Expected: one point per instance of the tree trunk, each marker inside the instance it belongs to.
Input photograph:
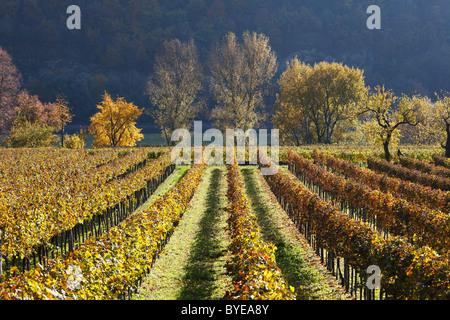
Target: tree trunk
(62, 136)
(307, 133)
(387, 154)
(297, 140)
(447, 145)
(327, 134)
(330, 130)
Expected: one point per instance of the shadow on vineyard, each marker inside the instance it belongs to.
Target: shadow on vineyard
(292, 258)
(202, 271)
(269, 229)
(211, 256)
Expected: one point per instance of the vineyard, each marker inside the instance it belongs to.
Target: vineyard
(127, 223)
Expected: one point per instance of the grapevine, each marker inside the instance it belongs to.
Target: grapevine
(255, 272)
(109, 266)
(417, 223)
(408, 271)
(413, 192)
(85, 201)
(412, 175)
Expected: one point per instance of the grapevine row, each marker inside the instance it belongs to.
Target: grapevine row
(28, 162)
(413, 192)
(385, 212)
(255, 273)
(37, 175)
(30, 178)
(394, 170)
(119, 168)
(35, 231)
(350, 246)
(112, 265)
(441, 161)
(424, 167)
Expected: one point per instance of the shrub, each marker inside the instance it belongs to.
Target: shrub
(28, 135)
(74, 142)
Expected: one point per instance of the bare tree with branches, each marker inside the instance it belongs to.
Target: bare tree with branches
(10, 83)
(174, 87)
(240, 74)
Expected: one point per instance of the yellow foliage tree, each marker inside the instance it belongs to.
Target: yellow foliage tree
(428, 131)
(115, 124)
(442, 121)
(317, 101)
(290, 112)
(386, 114)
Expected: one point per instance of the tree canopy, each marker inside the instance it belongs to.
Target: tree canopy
(315, 100)
(174, 87)
(115, 123)
(240, 73)
(386, 114)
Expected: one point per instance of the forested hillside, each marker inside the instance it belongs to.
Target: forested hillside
(115, 48)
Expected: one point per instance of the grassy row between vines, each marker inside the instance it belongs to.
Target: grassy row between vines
(192, 265)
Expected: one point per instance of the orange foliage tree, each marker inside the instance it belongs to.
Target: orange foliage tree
(33, 123)
(10, 83)
(115, 124)
(62, 115)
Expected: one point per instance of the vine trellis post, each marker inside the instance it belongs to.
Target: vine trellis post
(68, 240)
(351, 277)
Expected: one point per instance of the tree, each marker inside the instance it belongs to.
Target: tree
(240, 74)
(30, 109)
(291, 110)
(31, 135)
(77, 140)
(10, 83)
(114, 125)
(386, 116)
(334, 90)
(62, 114)
(441, 122)
(428, 130)
(33, 123)
(325, 96)
(174, 87)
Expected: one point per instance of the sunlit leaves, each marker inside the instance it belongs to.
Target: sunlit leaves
(240, 73)
(46, 192)
(174, 87)
(317, 101)
(386, 114)
(408, 271)
(387, 212)
(115, 123)
(110, 265)
(253, 266)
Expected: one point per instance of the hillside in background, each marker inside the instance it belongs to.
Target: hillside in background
(114, 50)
